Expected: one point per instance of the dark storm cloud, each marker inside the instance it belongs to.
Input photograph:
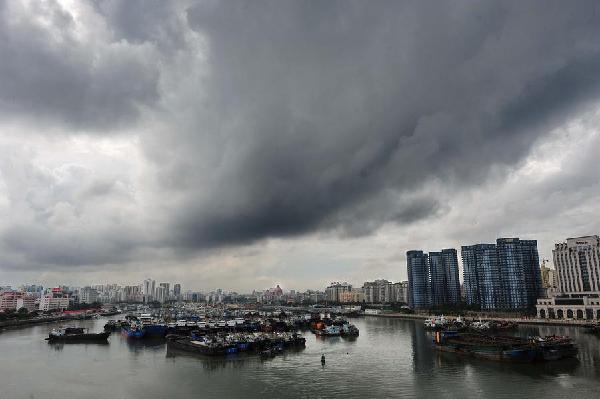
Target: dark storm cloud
(279, 118)
(337, 103)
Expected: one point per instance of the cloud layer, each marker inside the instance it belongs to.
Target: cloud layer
(162, 134)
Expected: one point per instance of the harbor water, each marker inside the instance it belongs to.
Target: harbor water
(390, 359)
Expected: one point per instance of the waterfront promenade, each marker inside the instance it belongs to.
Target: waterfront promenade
(518, 320)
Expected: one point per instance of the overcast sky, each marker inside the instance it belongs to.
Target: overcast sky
(243, 144)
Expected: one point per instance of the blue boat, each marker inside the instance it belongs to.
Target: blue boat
(133, 331)
(152, 328)
(155, 330)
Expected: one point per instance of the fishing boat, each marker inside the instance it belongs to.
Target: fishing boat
(76, 334)
(329, 331)
(349, 330)
(499, 348)
(133, 330)
(435, 323)
(152, 328)
(555, 347)
(199, 345)
(114, 325)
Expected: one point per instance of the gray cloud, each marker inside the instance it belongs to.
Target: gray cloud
(277, 118)
(52, 73)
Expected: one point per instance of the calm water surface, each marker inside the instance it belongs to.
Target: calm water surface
(391, 358)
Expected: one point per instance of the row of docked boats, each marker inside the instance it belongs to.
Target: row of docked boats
(264, 344)
(441, 323)
(506, 348)
(146, 325)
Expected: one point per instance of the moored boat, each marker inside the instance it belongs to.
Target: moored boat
(329, 331)
(504, 349)
(76, 334)
(133, 330)
(555, 348)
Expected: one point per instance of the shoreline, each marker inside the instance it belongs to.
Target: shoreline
(549, 322)
(8, 324)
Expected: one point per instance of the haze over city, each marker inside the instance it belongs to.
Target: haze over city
(218, 144)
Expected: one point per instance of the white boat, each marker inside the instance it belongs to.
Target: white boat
(231, 323)
(201, 324)
(181, 323)
(436, 322)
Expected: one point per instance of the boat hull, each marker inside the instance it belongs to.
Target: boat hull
(80, 338)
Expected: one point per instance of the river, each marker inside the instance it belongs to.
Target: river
(391, 359)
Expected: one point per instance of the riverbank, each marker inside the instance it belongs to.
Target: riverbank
(518, 320)
(40, 320)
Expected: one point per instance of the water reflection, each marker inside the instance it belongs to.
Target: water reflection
(390, 358)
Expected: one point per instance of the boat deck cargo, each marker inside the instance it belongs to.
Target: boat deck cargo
(505, 348)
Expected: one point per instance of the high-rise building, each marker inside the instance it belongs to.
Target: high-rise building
(148, 288)
(418, 280)
(161, 293)
(505, 276)
(177, 291)
(482, 280)
(433, 278)
(577, 263)
(167, 288)
(450, 261)
(437, 275)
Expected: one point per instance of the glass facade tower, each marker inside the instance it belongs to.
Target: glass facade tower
(418, 280)
(505, 276)
(433, 278)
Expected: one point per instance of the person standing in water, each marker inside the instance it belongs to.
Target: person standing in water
(323, 359)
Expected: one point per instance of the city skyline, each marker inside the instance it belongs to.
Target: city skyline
(206, 142)
(316, 286)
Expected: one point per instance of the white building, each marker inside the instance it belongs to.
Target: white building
(577, 263)
(53, 300)
(28, 302)
(148, 290)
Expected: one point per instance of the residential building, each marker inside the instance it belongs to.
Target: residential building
(88, 295)
(29, 302)
(355, 295)
(8, 300)
(419, 283)
(401, 292)
(335, 289)
(167, 287)
(433, 278)
(161, 293)
(177, 291)
(53, 300)
(450, 262)
(482, 280)
(504, 276)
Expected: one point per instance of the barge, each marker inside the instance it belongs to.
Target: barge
(505, 348)
(76, 334)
